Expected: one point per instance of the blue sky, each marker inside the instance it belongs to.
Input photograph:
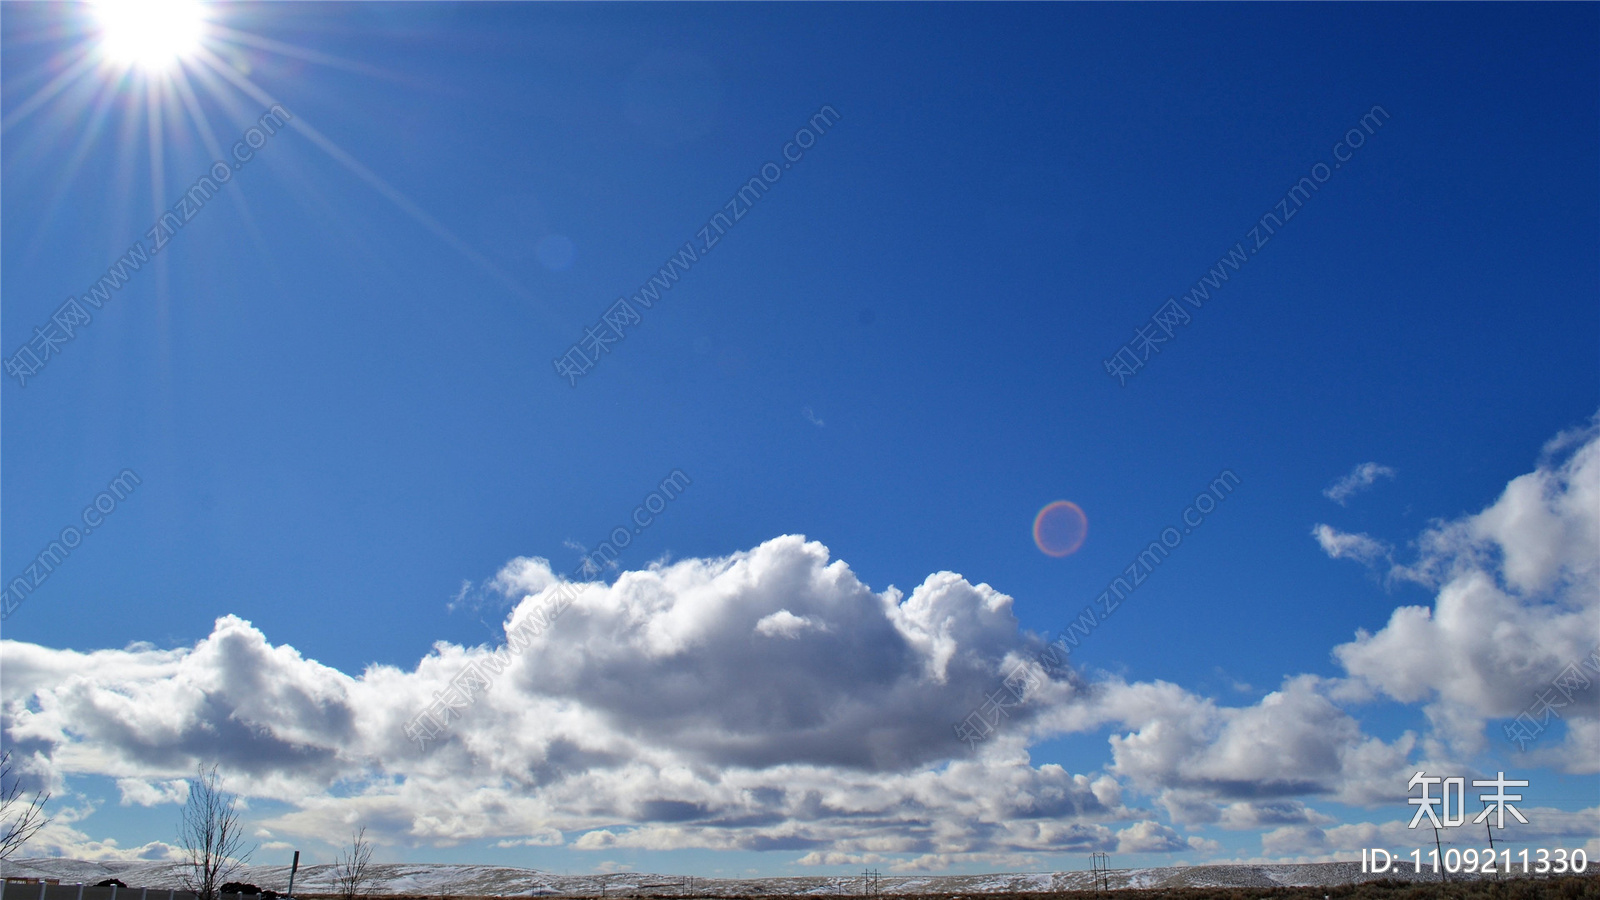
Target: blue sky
(335, 386)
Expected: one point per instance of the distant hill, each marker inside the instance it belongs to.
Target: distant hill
(466, 880)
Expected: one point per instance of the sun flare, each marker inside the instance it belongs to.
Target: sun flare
(153, 35)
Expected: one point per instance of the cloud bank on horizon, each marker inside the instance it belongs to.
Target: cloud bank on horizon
(770, 700)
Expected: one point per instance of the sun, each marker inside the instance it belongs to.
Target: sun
(153, 35)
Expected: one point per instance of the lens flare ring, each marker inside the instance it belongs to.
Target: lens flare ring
(1060, 528)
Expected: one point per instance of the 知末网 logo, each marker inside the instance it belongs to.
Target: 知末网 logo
(1497, 803)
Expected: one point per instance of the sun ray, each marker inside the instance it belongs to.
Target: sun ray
(104, 101)
(208, 138)
(77, 69)
(146, 99)
(202, 122)
(152, 120)
(235, 36)
(389, 192)
(155, 121)
(40, 140)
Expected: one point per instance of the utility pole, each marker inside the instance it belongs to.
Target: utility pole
(1490, 828)
(1100, 870)
(293, 868)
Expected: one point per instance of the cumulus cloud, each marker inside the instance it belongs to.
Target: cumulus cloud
(1367, 550)
(1195, 755)
(832, 858)
(1517, 603)
(764, 700)
(61, 836)
(1359, 479)
(1252, 815)
(137, 791)
(1149, 837)
(1516, 606)
(1546, 825)
(544, 837)
(786, 624)
(770, 700)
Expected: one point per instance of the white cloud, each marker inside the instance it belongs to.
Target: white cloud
(788, 625)
(145, 793)
(1195, 755)
(817, 858)
(769, 700)
(60, 836)
(1252, 815)
(1547, 826)
(764, 700)
(1359, 479)
(1518, 601)
(1149, 837)
(596, 840)
(461, 600)
(1363, 548)
(542, 837)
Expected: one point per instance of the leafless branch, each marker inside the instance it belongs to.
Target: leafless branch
(20, 816)
(211, 836)
(350, 873)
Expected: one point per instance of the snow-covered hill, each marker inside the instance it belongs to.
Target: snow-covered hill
(467, 880)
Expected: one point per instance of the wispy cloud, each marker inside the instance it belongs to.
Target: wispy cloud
(461, 600)
(1359, 479)
(1363, 548)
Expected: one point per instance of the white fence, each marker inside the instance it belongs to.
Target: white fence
(31, 889)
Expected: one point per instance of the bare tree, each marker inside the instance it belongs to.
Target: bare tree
(20, 817)
(211, 835)
(350, 873)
